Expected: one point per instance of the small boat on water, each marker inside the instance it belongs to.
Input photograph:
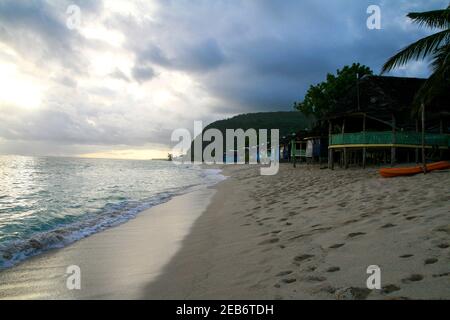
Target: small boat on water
(408, 171)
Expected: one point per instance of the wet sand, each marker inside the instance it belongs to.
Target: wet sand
(115, 264)
(308, 233)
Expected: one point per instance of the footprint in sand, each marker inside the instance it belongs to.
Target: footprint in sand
(284, 273)
(413, 278)
(288, 280)
(352, 293)
(431, 261)
(327, 289)
(337, 245)
(315, 279)
(445, 229)
(333, 269)
(355, 234)
(443, 246)
(388, 225)
(269, 241)
(350, 221)
(303, 257)
(387, 289)
(406, 256)
(441, 275)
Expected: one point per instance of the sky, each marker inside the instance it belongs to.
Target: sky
(117, 81)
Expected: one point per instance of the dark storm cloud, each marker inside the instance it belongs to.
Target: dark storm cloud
(263, 55)
(37, 30)
(203, 56)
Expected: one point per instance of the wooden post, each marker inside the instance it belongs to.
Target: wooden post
(330, 150)
(424, 161)
(364, 148)
(332, 159)
(345, 149)
(417, 149)
(394, 141)
(294, 152)
(441, 131)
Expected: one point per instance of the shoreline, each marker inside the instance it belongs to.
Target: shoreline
(115, 263)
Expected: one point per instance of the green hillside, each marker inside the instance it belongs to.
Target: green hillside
(286, 121)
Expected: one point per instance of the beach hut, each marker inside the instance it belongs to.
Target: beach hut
(375, 122)
(285, 149)
(298, 147)
(316, 148)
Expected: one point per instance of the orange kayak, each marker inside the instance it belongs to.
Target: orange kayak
(396, 172)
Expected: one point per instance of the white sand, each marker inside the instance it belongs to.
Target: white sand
(309, 233)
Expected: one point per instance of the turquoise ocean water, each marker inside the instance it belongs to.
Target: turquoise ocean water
(49, 202)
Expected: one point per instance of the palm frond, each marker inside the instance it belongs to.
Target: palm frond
(432, 19)
(435, 86)
(419, 50)
(441, 58)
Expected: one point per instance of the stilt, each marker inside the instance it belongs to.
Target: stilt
(294, 152)
(330, 151)
(417, 149)
(393, 149)
(332, 158)
(345, 159)
(441, 131)
(365, 142)
(424, 161)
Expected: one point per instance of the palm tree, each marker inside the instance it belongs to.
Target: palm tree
(435, 46)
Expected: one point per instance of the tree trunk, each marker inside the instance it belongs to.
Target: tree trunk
(424, 162)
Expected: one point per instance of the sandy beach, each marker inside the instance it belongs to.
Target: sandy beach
(305, 233)
(308, 233)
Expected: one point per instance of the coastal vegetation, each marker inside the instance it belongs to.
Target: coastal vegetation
(435, 47)
(287, 122)
(322, 99)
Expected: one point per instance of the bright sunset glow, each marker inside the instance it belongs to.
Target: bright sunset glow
(18, 89)
(131, 154)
